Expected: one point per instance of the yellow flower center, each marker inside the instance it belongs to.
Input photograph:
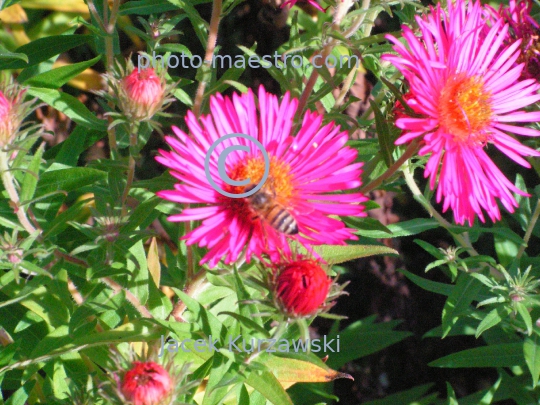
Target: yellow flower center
(465, 109)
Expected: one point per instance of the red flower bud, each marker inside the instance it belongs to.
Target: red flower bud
(302, 287)
(147, 383)
(143, 94)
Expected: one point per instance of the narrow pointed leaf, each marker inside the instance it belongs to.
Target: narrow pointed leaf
(531, 351)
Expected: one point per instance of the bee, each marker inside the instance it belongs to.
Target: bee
(263, 203)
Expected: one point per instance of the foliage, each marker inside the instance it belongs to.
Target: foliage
(90, 266)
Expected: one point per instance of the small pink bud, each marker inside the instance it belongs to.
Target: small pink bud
(15, 256)
(147, 383)
(143, 94)
(516, 298)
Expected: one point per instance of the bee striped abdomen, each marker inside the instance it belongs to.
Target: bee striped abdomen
(267, 209)
(281, 220)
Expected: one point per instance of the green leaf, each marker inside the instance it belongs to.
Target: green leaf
(199, 24)
(61, 221)
(140, 277)
(490, 320)
(45, 48)
(367, 224)
(255, 327)
(405, 228)
(215, 389)
(452, 400)
(362, 338)
(80, 139)
(73, 146)
(525, 315)
(428, 285)
(384, 134)
(56, 78)
(140, 330)
(67, 179)
(146, 7)
(531, 352)
(20, 396)
(463, 327)
(7, 55)
(505, 247)
(32, 175)
(209, 323)
(403, 397)
(501, 355)
(268, 385)
(488, 397)
(70, 106)
(463, 294)
(339, 254)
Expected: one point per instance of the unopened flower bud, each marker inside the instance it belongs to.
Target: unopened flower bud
(143, 94)
(8, 124)
(516, 297)
(302, 287)
(147, 383)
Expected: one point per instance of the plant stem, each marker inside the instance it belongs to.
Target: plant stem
(9, 185)
(409, 152)
(133, 138)
(529, 230)
(210, 47)
(192, 287)
(340, 12)
(199, 96)
(109, 23)
(409, 178)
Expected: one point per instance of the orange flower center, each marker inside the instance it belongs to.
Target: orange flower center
(465, 109)
(278, 182)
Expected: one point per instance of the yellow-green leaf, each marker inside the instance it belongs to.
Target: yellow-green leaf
(153, 262)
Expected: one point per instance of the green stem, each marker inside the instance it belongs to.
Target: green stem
(409, 152)
(409, 179)
(342, 8)
(199, 96)
(210, 47)
(133, 138)
(193, 286)
(109, 23)
(529, 230)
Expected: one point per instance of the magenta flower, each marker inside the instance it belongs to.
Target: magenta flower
(304, 170)
(6, 127)
(521, 26)
(312, 2)
(465, 86)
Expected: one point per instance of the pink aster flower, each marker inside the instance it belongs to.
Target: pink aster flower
(312, 2)
(6, 127)
(13, 110)
(297, 200)
(464, 85)
(521, 26)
